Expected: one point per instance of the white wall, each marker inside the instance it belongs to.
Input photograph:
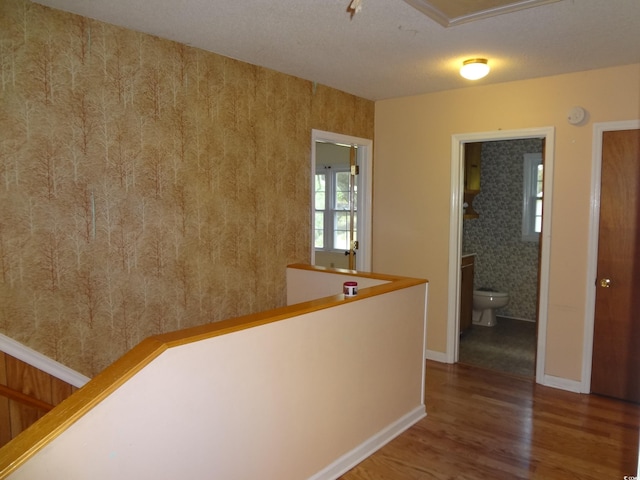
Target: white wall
(305, 284)
(302, 397)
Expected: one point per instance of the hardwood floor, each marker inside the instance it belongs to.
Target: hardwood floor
(482, 424)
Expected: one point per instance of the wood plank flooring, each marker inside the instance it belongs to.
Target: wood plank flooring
(482, 424)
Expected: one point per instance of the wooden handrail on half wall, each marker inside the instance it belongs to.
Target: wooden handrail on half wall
(303, 391)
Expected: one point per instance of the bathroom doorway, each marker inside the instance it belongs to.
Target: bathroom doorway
(502, 235)
(523, 325)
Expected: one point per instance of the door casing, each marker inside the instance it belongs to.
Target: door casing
(592, 261)
(365, 177)
(455, 234)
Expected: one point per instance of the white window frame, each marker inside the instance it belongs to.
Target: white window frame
(529, 196)
(329, 209)
(324, 172)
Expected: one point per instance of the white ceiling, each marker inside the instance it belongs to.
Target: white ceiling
(388, 49)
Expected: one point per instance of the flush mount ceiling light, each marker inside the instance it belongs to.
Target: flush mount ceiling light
(474, 68)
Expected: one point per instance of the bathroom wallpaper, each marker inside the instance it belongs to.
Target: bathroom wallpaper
(145, 186)
(504, 262)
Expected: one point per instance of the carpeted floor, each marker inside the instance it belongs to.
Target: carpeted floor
(509, 347)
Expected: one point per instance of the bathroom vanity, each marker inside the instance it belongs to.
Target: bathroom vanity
(466, 292)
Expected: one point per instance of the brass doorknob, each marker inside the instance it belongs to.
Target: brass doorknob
(605, 282)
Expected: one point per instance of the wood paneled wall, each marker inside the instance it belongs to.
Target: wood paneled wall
(44, 391)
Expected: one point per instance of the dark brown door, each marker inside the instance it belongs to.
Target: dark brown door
(615, 369)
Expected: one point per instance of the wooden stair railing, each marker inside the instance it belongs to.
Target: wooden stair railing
(12, 456)
(26, 395)
(25, 399)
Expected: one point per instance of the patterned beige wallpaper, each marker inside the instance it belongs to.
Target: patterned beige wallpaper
(504, 262)
(145, 186)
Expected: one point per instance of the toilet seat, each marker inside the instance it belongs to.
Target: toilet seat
(490, 293)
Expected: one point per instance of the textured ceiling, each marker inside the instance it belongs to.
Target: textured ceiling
(389, 48)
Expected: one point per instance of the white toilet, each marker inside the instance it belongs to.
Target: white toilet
(484, 304)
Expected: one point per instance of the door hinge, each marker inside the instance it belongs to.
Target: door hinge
(355, 169)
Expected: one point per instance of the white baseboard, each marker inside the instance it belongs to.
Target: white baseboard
(517, 318)
(547, 380)
(41, 362)
(436, 356)
(562, 383)
(364, 450)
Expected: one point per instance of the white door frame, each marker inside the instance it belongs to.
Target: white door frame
(455, 233)
(365, 177)
(592, 260)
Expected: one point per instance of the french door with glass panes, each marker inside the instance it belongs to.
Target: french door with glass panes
(336, 211)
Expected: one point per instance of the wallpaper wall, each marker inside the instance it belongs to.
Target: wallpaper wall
(504, 262)
(145, 186)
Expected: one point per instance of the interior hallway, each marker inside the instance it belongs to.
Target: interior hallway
(483, 424)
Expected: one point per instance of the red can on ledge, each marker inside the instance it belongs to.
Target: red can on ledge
(350, 289)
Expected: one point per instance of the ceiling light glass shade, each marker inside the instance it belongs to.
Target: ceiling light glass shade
(475, 68)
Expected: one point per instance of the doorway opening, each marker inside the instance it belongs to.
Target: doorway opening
(341, 185)
(456, 235)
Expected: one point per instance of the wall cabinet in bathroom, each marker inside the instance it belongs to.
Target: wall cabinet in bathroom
(466, 293)
(472, 154)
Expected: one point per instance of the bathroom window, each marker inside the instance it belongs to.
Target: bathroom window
(532, 197)
(333, 209)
